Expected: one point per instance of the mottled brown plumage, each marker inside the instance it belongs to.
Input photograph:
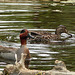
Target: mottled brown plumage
(46, 36)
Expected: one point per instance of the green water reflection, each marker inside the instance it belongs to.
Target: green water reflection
(39, 15)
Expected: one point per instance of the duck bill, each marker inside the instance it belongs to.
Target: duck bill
(30, 36)
(70, 35)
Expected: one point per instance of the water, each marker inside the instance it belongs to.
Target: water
(39, 16)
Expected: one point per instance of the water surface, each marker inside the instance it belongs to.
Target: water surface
(39, 16)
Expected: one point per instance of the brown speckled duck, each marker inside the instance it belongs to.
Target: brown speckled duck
(46, 36)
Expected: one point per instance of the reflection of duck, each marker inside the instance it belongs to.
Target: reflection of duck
(10, 53)
(46, 36)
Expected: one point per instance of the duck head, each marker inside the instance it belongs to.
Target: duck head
(62, 29)
(24, 34)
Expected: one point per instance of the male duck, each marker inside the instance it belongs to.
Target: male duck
(46, 36)
(10, 54)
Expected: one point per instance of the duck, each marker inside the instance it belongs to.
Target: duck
(47, 36)
(9, 53)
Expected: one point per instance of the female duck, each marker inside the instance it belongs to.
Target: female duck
(46, 36)
(10, 55)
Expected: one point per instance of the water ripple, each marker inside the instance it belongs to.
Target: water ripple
(20, 21)
(19, 4)
(2, 11)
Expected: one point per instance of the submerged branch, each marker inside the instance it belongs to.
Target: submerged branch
(20, 69)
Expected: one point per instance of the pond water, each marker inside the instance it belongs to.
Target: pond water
(44, 16)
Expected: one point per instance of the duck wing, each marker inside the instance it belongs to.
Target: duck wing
(8, 56)
(7, 53)
(35, 33)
